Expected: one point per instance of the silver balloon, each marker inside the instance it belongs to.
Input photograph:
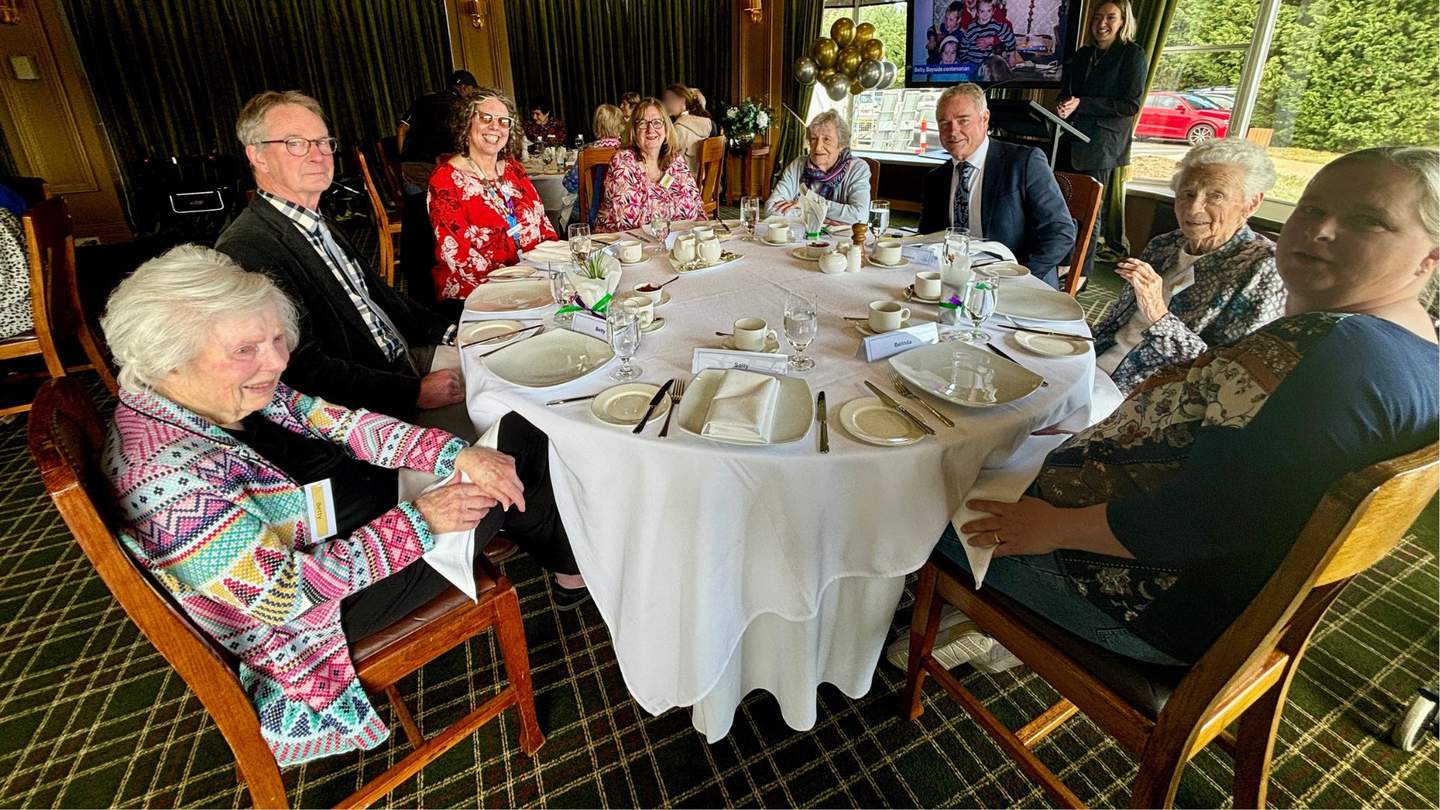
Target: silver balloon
(869, 74)
(805, 70)
(887, 75)
(837, 87)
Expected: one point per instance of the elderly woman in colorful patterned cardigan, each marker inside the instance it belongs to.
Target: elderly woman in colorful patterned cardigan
(207, 456)
(1209, 283)
(830, 170)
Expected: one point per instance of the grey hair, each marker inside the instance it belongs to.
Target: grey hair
(968, 90)
(1254, 164)
(834, 119)
(160, 317)
(250, 127)
(1422, 164)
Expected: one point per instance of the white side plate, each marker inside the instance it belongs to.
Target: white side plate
(873, 422)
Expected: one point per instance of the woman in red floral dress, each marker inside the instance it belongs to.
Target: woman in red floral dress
(483, 207)
(649, 178)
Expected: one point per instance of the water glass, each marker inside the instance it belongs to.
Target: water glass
(979, 305)
(579, 234)
(801, 325)
(562, 292)
(750, 216)
(879, 218)
(957, 243)
(624, 327)
(659, 230)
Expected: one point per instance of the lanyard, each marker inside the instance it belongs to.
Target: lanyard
(491, 191)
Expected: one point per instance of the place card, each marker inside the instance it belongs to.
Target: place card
(765, 362)
(879, 347)
(587, 324)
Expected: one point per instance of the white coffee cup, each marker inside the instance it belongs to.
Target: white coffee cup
(927, 284)
(630, 250)
(832, 263)
(703, 232)
(778, 232)
(684, 250)
(643, 308)
(708, 250)
(751, 335)
(887, 316)
(887, 251)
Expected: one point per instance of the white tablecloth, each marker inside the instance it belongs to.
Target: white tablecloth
(722, 569)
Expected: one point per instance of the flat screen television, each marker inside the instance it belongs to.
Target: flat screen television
(1020, 43)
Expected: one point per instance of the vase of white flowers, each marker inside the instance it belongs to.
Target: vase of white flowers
(596, 278)
(744, 122)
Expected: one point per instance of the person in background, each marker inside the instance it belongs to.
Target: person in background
(647, 179)
(17, 316)
(989, 38)
(542, 128)
(1101, 89)
(830, 170)
(1209, 283)
(705, 111)
(610, 131)
(950, 27)
(691, 123)
(483, 207)
(999, 191)
(628, 100)
(424, 132)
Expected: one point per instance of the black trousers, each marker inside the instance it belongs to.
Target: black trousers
(538, 530)
(1103, 177)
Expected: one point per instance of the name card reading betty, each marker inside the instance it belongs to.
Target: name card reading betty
(765, 362)
(887, 344)
(587, 324)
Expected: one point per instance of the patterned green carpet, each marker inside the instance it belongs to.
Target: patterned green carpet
(92, 716)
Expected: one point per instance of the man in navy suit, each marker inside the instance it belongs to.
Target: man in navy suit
(1000, 191)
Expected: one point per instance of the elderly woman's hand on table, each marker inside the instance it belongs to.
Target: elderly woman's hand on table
(494, 473)
(786, 206)
(1149, 287)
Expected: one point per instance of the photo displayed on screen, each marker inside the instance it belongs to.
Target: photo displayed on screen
(1018, 42)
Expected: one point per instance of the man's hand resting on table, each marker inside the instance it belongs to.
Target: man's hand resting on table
(440, 388)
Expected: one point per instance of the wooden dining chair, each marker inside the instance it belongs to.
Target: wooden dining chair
(1166, 715)
(387, 231)
(712, 165)
(30, 189)
(590, 171)
(387, 152)
(1082, 197)
(66, 438)
(874, 177)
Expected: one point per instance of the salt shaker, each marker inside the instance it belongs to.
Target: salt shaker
(857, 246)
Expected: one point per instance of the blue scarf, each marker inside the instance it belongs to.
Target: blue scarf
(826, 184)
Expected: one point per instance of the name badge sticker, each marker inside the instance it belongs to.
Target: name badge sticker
(666, 181)
(587, 324)
(513, 231)
(320, 509)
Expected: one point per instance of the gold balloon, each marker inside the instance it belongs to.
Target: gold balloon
(856, 88)
(864, 31)
(849, 61)
(873, 49)
(824, 76)
(842, 31)
(825, 51)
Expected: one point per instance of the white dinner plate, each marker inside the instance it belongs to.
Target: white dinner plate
(510, 297)
(966, 375)
(623, 405)
(1037, 305)
(485, 330)
(772, 345)
(1050, 345)
(873, 422)
(694, 268)
(794, 408)
(1004, 269)
(550, 359)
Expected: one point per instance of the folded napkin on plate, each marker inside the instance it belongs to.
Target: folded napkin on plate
(743, 408)
(554, 250)
(813, 209)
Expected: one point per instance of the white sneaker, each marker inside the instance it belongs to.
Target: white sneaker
(958, 641)
(995, 660)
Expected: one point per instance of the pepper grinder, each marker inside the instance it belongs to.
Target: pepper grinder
(857, 247)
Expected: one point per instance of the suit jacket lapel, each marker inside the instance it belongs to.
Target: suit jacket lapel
(313, 269)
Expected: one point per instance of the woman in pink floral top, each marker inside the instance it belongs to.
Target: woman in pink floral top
(649, 179)
(483, 207)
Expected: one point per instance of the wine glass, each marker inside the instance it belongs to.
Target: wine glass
(750, 216)
(562, 292)
(800, 328)
(579, 234)
(879, 218)
(624, 329)
(979, 304)
(658, 228)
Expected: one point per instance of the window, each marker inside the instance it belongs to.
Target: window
(1307, 79)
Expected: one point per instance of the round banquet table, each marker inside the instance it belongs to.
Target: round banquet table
(720, 569)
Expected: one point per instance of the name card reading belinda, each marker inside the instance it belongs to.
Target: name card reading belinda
(587, 324)
(765, 362)
(879, 347)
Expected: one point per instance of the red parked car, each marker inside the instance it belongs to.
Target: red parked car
(1182, 117)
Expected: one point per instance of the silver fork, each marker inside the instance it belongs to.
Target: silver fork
(676, 392)
(903, 390)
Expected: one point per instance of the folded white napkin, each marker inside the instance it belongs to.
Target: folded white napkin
(813, 209)
(1004, 483)
(453, 554)
(553, 250)
(743, 408)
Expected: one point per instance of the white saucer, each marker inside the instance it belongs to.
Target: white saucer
(864, 326)
(655, 326)
(772, 345)
(623, 405)
(910, 294)
(624, 263)
(765, 240)
(873, 422)
(1051, 345)
(664, 296)
(903, 263)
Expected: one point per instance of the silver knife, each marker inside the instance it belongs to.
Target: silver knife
(891, 403)
(654, 403)
(824, 421)
(505, 336)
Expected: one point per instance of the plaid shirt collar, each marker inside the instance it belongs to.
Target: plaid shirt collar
(306, 219)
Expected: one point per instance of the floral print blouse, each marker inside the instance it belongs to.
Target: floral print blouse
(473, 220)
(631, 200)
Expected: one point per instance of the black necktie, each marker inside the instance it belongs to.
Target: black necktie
(961, 217)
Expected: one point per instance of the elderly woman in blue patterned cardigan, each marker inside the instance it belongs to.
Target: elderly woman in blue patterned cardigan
(1209, 283)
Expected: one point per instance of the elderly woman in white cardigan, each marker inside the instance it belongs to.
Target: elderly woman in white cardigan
(830, 170)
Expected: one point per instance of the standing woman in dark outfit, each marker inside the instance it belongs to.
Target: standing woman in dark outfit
(1100, 93)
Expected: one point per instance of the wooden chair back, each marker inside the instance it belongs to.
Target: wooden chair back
(31, 189)
(387, 152)
(590, 169)
(712, 165)
(874, 177)
(50, 250)
(385, 229)
(1082, 195)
